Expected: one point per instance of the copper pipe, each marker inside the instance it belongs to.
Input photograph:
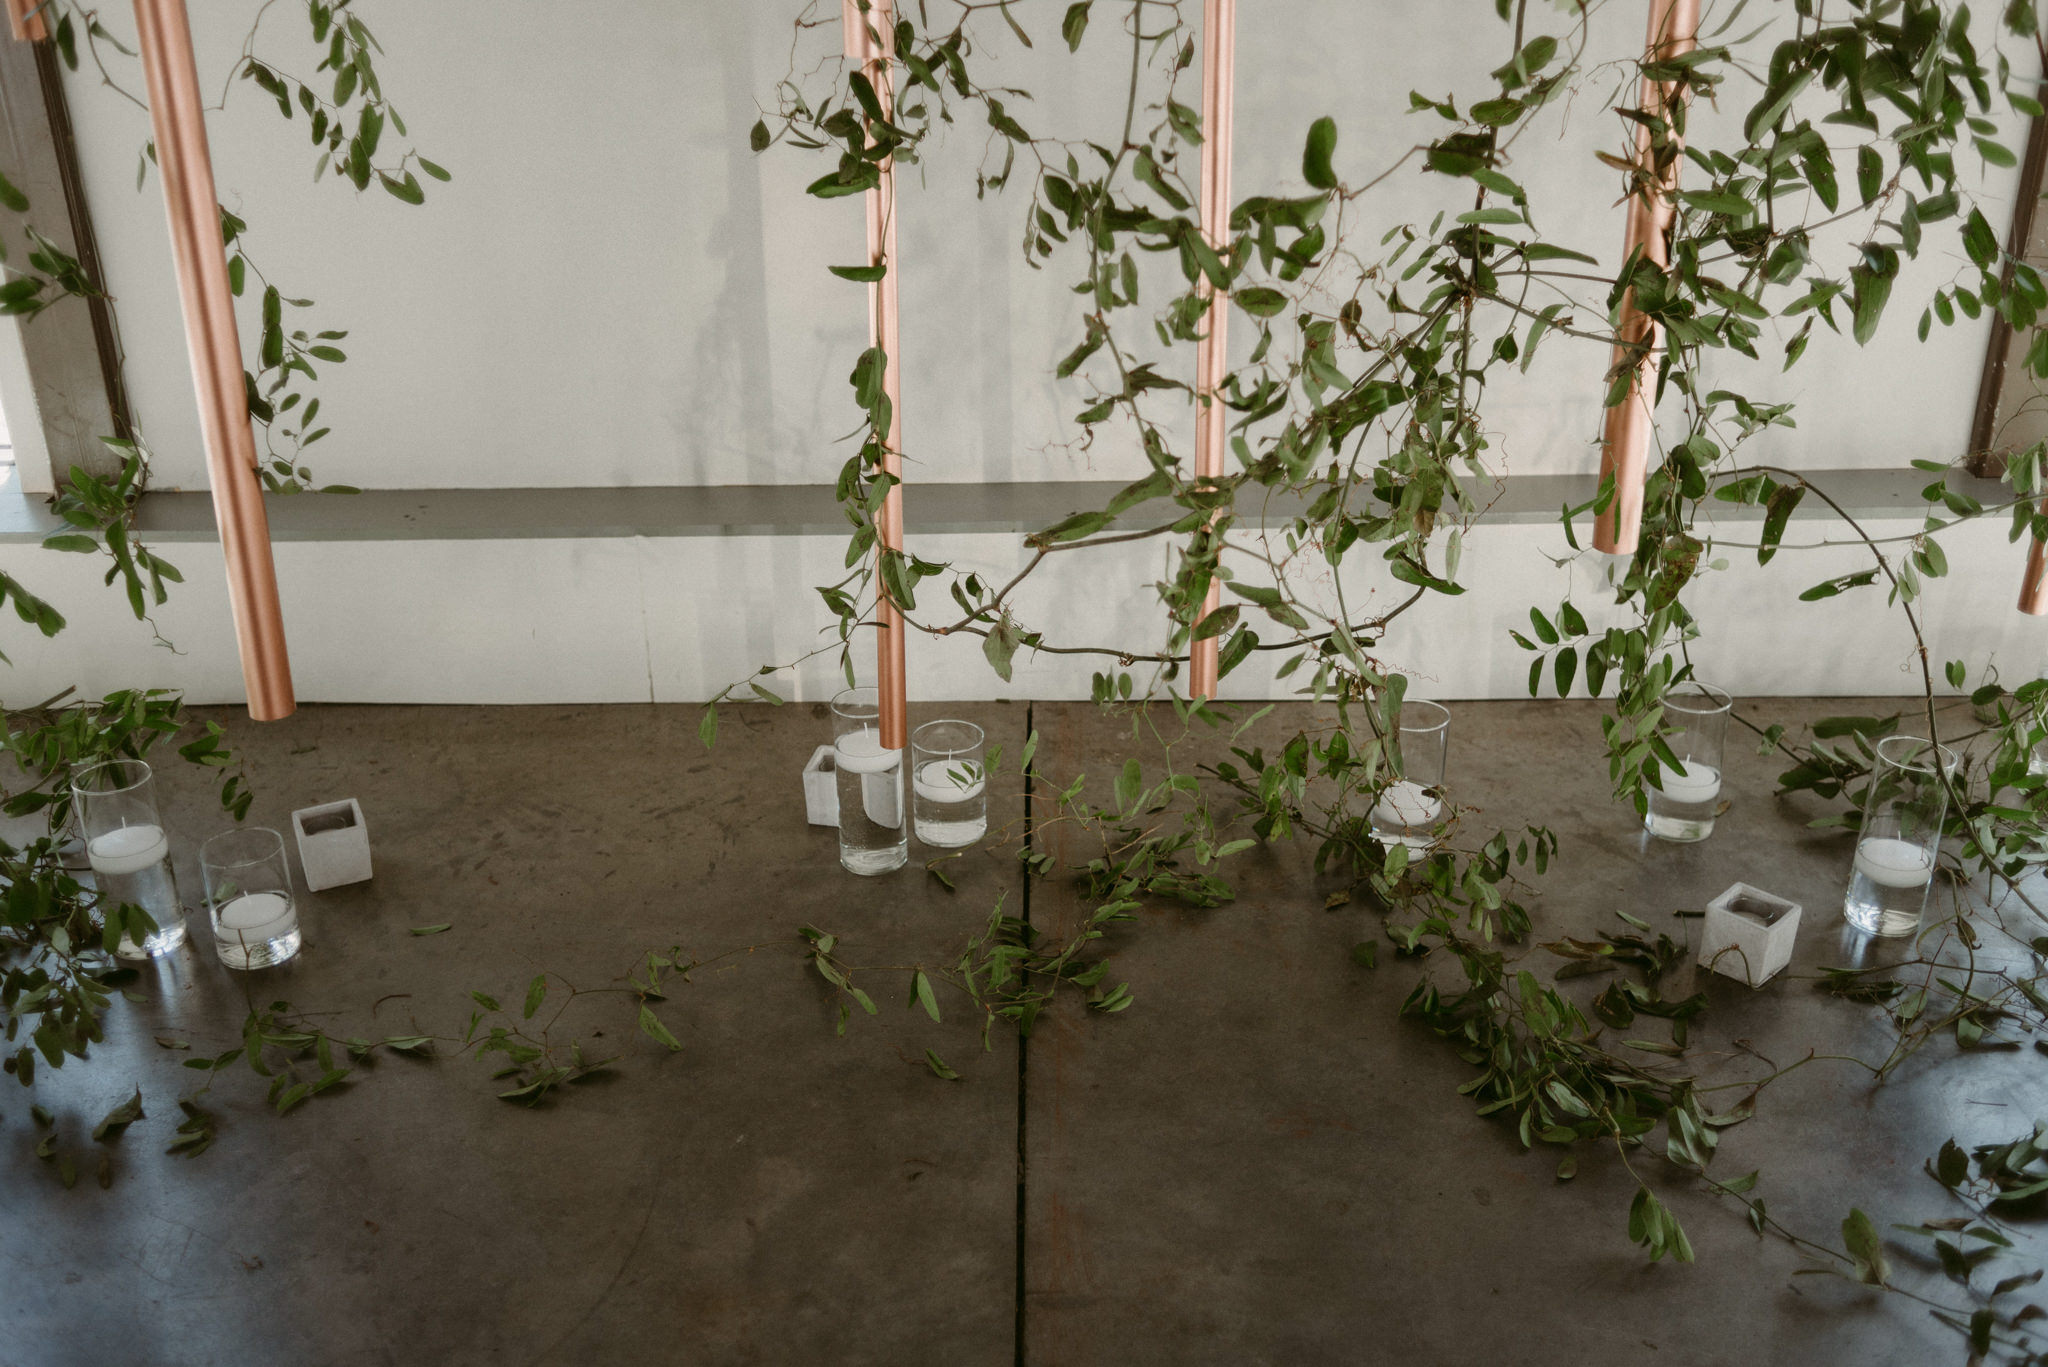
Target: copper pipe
(1212, 352)
(1625, 448)
(176, 112)
(2034, 588)
(25, 21)
(870, 44)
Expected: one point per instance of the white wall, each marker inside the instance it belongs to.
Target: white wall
(616, 291)
(675, 620)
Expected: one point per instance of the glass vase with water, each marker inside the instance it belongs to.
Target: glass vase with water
(1407, 810)
(1900, 838)
(1682, 809)
(114, 802)
(249, 896)
(948, 784)
(873, 836)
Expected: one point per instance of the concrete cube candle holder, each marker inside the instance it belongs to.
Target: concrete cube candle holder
(1748, 934)
(821, 788)
(334, 844)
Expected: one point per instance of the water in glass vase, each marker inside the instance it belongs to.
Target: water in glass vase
(1888, 887)
(256, 930)
(1684, 811)
(1406, 814)
(872, 838)
(132, 865)
(950, 804)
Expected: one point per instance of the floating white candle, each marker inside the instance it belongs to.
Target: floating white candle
(130, 849)
(1691, 782)
(258, 916)
(1406, 804)
(945, 780)
(1893, 863)
(861, 752)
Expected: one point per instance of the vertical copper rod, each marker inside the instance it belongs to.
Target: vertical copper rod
(1625, 450)
(870, 44)
(176, 113)
(2034, 588)
(1212, 352)
(25, 21)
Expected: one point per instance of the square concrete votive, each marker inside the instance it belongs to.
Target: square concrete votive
(334, 844)
(821, 789)
(1748, 934)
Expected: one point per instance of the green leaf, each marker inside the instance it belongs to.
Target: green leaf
(1860, 1237)
(1075, 24)
(70, 541)
(536, 993)
(939, 1067)
(1869, 172)
(651, 1026)
(440, 173)
(921, 994)
(758, 138)
(118, 1119)
(864, 274)
(434, 929)
(1260, 301)
(408, 190)
(1316, 167)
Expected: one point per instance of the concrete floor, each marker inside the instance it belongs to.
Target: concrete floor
(1258, 1163)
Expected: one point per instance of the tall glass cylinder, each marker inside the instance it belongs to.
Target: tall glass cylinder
(873, 836)
(948, 784)
(1682, 808)
(1901, 836)
(249, 896)
(130, 853)
(1407, 810)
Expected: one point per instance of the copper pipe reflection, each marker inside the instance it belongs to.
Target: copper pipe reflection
(870, 44)
(25, 21)
(1625, 448)
(2034, 588)
(1212, 352)
(176, 114)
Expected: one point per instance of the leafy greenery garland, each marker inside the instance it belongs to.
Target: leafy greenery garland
(1363, 365)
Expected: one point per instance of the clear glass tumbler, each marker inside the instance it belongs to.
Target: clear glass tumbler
(249, 895)
(873, 836)
(1901, 835)
(1407, 810)
(1683, 810)
(114, 803)
(948, 784)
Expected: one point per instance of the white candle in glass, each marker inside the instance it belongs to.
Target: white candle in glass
(130, 849)
(258, 916)
(945, 780)
(861, 752)
(1691, 781)
(1893, 863)
(1406, 804)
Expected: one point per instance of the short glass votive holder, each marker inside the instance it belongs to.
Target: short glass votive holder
(249, 897)
(948, 784)
(873, 836)
(1900, 837)
(1407, 810)
(1682, 809)
(114, 804)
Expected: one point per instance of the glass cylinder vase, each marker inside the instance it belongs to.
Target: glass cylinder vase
(873, 836)
(1900, 838)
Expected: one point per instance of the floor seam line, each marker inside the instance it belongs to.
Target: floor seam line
(1023, 1047)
